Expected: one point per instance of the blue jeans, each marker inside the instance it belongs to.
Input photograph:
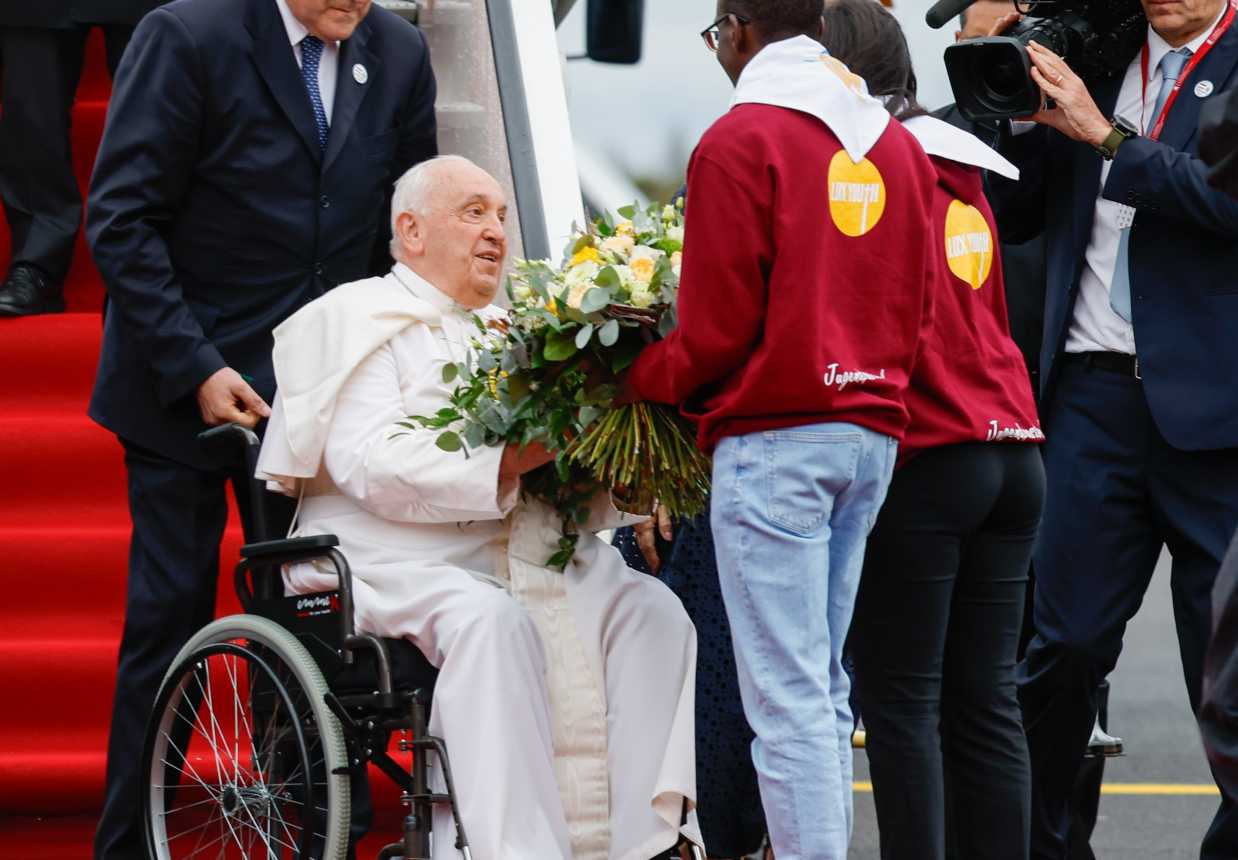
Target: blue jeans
(792, 510)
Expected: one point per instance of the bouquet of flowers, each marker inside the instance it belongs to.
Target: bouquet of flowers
(549, 374)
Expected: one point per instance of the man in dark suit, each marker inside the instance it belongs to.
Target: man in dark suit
(250, 150)
(1218, 140)
(43, 44)
(1142, 445)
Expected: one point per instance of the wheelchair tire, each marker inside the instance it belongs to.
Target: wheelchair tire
(240, 744)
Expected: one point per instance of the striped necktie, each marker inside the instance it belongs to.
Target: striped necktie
(311, 56)
(1172, 65)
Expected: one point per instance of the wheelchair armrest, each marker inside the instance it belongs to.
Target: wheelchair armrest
(291, 549)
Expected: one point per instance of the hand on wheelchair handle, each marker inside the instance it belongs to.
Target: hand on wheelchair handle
(226, 398)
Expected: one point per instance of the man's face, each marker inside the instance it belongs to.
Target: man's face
(460, 243)
(330, 20)
(981, 16)
(1179, 21)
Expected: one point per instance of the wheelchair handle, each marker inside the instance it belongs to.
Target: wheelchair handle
(227, 441)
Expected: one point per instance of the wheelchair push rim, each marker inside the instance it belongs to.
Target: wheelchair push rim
(241, 752)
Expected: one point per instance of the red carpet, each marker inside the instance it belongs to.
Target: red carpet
(64, 532)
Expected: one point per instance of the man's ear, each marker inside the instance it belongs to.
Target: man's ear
(820, 34)
(411, 232)
(958, 35)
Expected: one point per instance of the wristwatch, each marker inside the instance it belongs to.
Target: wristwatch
(1122, 130)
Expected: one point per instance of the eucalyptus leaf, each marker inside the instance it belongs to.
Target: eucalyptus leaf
(627, 212)
(486, 361)
(596, 299)
(608, 279)
(588, 414)
(582, 336)
(475, 436)
(449, 442)
(609, 333)
(450, 372)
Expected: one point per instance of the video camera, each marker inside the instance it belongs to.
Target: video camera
(991, 77)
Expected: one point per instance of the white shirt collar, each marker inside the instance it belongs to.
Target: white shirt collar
(1158, 47)
(296, 30)
(424, 290)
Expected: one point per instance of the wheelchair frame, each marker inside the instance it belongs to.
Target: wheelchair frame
(366, 719)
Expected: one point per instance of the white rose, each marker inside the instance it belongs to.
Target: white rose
(642, 297)
(584, 273)
(644, 252)
(521, 292)
(675, 233)
(676, 262)
(668, 213)
(621, 245)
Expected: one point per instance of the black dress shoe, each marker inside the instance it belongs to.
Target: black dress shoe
(28, 291)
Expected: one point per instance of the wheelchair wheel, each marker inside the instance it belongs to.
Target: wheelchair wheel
(242, 751)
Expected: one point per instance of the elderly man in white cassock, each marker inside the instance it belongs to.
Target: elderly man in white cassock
(565, 698)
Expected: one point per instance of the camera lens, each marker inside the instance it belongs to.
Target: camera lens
(1004, 78)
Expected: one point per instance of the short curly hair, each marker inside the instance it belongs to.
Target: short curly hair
(778, 19)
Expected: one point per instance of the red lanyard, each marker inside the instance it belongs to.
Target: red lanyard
(1217, 32)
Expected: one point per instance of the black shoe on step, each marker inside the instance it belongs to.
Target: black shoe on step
(28, 291)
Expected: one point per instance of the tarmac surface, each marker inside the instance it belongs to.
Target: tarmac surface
(1164, 760)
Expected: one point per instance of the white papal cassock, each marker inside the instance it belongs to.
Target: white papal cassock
(565, 699)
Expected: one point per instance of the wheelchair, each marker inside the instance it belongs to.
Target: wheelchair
(264, 718)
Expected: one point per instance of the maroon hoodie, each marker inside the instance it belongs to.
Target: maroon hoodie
(805, 289)
(970, 383)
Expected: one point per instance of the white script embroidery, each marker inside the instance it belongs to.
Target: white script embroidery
(998, 433)
(844, 378)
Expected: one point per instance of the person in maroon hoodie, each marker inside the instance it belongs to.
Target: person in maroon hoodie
(940, 607)
(803, 303)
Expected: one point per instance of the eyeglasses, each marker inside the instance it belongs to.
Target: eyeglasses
(713, 33)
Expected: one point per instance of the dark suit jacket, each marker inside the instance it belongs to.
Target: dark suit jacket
(62, 14)
(213, 213)
(1218, 140)
(1183, 247)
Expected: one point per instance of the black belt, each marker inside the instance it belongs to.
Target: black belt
(1114, 362)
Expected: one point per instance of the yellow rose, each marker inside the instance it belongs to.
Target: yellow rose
(588, 254)
(642, 269)
(625, 228)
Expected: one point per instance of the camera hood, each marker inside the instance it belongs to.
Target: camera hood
(991, 78)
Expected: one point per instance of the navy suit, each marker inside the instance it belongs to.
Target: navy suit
(213, 215)
(1133, 464)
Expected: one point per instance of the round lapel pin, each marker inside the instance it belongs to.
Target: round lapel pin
(1203, 89)
(360, 75)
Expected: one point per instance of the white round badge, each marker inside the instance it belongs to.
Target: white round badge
(360, 75)
(1203, 89)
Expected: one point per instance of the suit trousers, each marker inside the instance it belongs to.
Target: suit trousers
(38, 186)
(179, 514)
(934, 639)
(1117, 493)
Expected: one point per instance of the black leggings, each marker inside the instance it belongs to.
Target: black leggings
(934, 641)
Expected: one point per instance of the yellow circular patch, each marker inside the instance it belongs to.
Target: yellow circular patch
(857, 194)
(969, 244)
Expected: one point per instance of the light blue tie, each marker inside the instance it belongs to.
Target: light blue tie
(1172, 65)
(311, 54)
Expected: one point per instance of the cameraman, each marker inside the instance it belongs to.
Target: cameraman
(1142, 444)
